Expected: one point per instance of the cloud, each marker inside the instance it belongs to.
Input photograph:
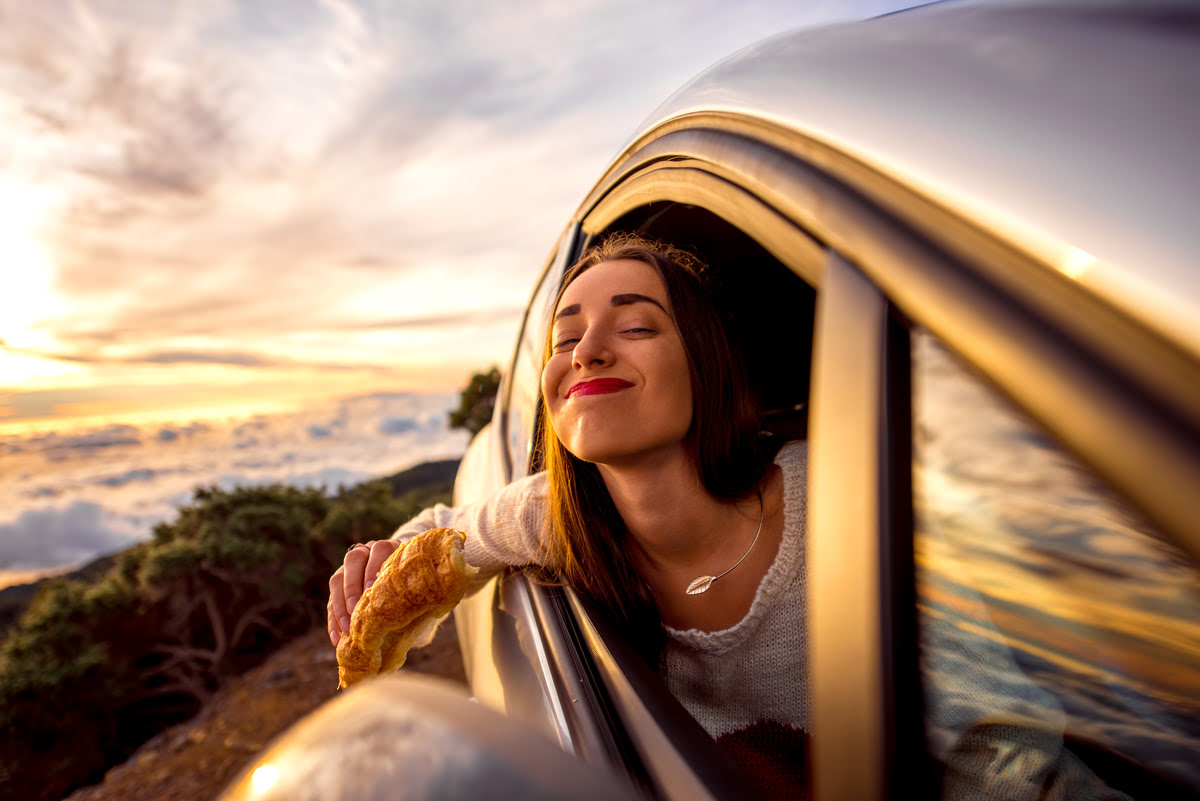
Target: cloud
(262, 191)
(117, 397)
(228, 358)
(172, 433)
(202, 149)
(53, 537)
(58, 446)
(259, 423)
(451, 320)
(149, 142)
(137, 474)
(124, 479)
(89, 347)
(397, 425)
(329, 478)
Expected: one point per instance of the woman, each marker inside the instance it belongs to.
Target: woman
(657, 479)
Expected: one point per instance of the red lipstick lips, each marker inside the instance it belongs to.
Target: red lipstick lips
(599, 386)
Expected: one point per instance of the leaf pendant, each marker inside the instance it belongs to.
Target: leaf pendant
(700, 585)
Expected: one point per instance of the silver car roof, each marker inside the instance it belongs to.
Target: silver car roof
(1070, 130)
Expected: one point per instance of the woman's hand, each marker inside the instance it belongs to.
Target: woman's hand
(349, 581)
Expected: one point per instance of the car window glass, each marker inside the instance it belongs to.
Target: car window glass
(527, 370)
(1060, 633)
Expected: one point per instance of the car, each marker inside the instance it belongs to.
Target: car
(961, 244)
(961, 241)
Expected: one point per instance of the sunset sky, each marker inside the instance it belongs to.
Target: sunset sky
(268, 241)
(245, 205)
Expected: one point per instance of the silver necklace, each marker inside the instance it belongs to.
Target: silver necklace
(702, 583)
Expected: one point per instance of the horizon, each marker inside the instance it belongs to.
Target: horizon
(79, 493)
(19, 577)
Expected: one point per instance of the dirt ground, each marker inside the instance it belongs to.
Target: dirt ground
(197, 759)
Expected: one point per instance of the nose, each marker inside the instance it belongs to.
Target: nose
(591, 350)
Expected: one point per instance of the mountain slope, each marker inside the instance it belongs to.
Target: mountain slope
(195, 760)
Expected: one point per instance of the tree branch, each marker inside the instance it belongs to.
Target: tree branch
(251, 617)
(218, 625)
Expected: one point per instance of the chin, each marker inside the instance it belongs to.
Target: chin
(598, 454)
(625, 454)
(618, 445)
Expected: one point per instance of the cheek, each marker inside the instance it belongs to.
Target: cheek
(682, 380)
(552, 375)
(686, 405)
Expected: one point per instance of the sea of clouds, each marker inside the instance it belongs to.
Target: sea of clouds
(70, 496)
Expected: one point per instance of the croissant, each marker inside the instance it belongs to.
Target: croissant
(419, 584)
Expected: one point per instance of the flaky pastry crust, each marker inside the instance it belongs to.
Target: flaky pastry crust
(419, 584)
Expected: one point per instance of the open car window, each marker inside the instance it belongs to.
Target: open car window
(525, 379)
(1060, 632)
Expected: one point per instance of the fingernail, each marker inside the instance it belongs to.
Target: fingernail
(334, 636)
(350, 603)
(369, 583)
(345, 621)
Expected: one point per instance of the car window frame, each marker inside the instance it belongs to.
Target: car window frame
(868, 728)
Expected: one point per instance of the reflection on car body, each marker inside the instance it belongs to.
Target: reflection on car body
(1089, 619)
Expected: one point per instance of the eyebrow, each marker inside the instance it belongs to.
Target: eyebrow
(627, 299)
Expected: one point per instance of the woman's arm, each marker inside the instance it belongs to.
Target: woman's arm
(503, 531)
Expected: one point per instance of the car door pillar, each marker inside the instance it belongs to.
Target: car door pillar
(859, 547)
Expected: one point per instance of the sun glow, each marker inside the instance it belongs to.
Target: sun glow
(264, 778)
(26, 293)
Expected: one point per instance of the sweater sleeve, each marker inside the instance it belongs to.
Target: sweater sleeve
(503, 530)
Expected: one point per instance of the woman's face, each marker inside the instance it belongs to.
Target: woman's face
(616, 383)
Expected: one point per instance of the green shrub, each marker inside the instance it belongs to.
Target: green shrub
(92, 670)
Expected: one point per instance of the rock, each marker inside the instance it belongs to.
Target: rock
(283, 674)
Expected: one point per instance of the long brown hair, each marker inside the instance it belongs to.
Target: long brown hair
(588, 536)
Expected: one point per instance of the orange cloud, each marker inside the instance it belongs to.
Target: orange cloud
(102, 408)
(220, 392)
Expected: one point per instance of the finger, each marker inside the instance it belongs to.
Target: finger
(352, 580)
(331, 625)
(380, 551)
(336, 608)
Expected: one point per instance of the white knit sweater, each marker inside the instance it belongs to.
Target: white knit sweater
(752, 679)
(746, 685)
